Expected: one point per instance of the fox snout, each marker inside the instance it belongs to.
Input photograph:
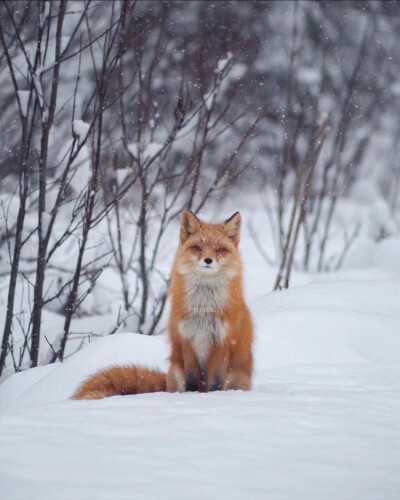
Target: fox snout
(208, 263)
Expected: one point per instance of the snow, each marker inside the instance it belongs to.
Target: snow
(65, 40)
(395, 88)
(23, 96)
(40, 95)
(46, 219)
(308, 76)
(238, 70)
(58, 383)
(45, 14)
(320, 422)
(152, 149)
(133, 148)
(80, 129)
(149, 151)
(222, 63)
(210, 97)
(121, 174)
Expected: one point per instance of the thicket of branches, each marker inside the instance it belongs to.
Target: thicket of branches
(116, 116)
(96, 123)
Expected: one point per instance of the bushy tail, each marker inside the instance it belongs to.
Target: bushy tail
(121, 380)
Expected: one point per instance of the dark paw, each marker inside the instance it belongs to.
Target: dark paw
(216, 384)
(191, 382)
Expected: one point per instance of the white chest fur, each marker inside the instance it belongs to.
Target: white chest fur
(203, 327)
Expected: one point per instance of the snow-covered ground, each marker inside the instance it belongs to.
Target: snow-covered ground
(322, 421)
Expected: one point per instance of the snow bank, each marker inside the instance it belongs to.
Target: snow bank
(58, 382)
(366, 254)
(325, 434)
(320, 423)
(348, 318)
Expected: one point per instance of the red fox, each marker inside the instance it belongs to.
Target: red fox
(210, 326)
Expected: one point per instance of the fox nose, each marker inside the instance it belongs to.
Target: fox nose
(208, 260)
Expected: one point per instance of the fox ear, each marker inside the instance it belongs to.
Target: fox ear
(232, 227)
(190, 224)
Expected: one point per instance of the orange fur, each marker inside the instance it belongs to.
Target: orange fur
(210, 326)
(121, 380)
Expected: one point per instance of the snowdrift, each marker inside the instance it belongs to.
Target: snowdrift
(321, 421)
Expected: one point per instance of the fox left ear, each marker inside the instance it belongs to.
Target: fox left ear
(190, 224)
(232, 227)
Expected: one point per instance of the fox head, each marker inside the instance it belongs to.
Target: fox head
(208, 249)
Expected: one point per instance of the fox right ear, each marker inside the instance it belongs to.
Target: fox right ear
(190, 224)
(232, 227)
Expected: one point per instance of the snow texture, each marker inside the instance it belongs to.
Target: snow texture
(23, 96)
(320, 423)
(133, 148)
(81, 130)
(222, 63)
(152, 149)
(45, 14)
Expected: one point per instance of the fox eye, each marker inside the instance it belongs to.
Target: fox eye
(197, 248)
(222, 250)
